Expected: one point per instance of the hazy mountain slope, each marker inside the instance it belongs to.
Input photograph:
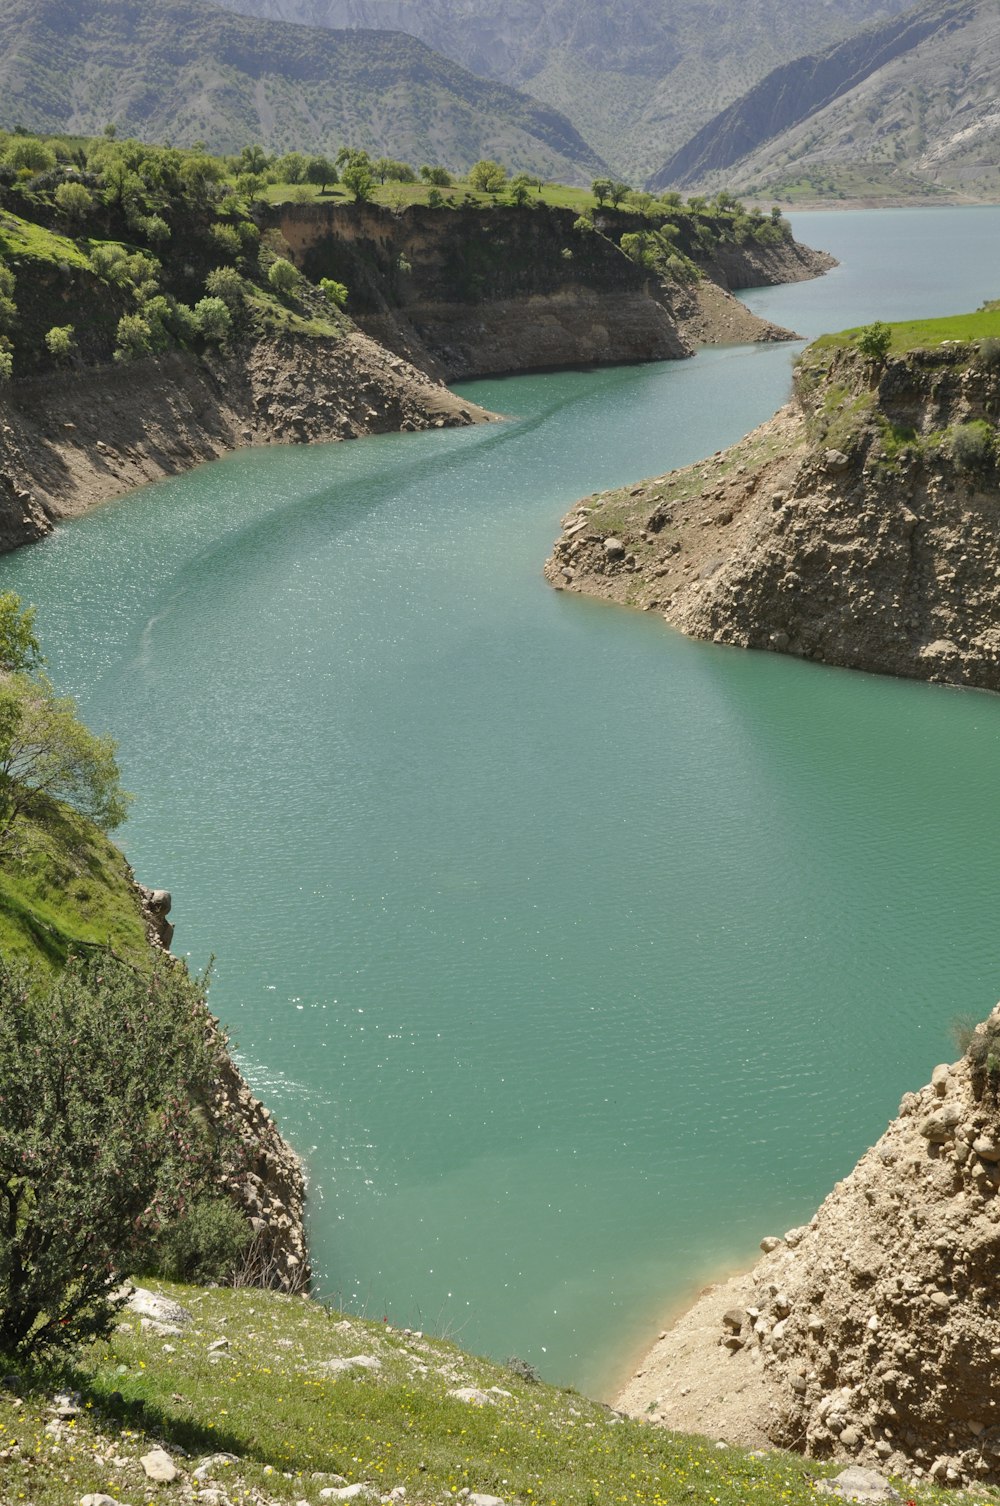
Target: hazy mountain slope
(636, 77)
(914, 100)
(186, 70)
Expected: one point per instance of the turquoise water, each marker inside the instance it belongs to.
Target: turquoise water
(574, 955)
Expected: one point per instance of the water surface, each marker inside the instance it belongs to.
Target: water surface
(574, 955)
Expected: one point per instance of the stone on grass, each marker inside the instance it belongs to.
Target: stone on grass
(473, 1395)
(158, 1466)
(479, 1500)
(206, 1470)
(149, 1305)
(857, 1484)
(98, 1500)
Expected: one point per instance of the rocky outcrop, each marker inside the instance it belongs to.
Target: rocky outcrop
(859, 527)
(872, 1332)
(71, 440)
(468, 292)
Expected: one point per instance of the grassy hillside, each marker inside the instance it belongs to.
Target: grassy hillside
(636, 78)
(280, 1395)
(188, 71)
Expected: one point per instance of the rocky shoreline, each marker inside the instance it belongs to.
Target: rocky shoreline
(869, 1334)
(858, 527)
(69, 441)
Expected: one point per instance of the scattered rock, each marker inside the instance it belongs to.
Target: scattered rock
(857, 1484)
(473, 1396)
(158, 1466)
(160, 1309)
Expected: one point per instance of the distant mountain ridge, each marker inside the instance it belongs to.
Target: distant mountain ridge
(187, 70)
(913, 100)
(636, 77)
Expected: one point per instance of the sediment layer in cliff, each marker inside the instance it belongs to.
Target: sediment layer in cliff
(872, 1332)
(859, 527)
(472, 293)
(70, 440)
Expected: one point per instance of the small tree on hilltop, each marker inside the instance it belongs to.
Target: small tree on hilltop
(322, 172)
(283, 277)
(874, 340)
(487, 176)
(357, 177)
(107, 1132)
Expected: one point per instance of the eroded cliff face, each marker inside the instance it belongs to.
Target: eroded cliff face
(860, 526)
(71, 440)
(871, 1333)
(468, 292)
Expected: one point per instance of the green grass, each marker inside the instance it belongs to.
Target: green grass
(925, 334)
(67, 886)
(23, 238)
(269, 1399)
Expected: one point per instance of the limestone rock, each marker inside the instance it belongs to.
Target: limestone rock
(158, 1466)
(857, 1484)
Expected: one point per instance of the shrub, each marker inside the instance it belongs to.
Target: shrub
(989, 352)
(133, 338)
(205, 1243)
(60, 341)
(874, 340)
(437, 177)
(214, 321)
(283, 277)
(28, 154)
(106, 1134)
(972, 445)
(226, 241)
(333, 291)
(227, 284)
(74, 201)
(6, 366)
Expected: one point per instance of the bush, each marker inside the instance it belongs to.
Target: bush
(283, 277)
(6, 366)
(972, 445)
(60, 341)
(487, 176)
(334, 292)
(74, 201)
(874, 341)
(227, 284)
(205, 1243)
(989, 352)
(226, 241)
(133, 338)
(214, 320)
(106, 1135)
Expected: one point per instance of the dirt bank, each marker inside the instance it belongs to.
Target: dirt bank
(71, 440)
(859, 526)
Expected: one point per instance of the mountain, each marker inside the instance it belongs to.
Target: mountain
(906, 107)
(187, 70)
(636, 77)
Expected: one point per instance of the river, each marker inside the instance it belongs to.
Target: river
(573, 955)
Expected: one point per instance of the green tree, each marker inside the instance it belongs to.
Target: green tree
(334, 292)
(292, 167)
(48, 755)
(283, 277)
(520, 189)
(487, 176)
(28, 154)
(874, 340)
(214, 320)
(601, 189)
(617, 192)
(74, 201)
(20, 652)
(106, 1133)
(322, 171)
(133, 338)
(60, 342)
(357, 177)
(438, 177)
(226, 283)
(253, 160)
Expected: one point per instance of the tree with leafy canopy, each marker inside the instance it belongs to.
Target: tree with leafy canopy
(357, 177)
(321, 171)
(437, 177)
(108, 1132)
(874, 340)
(601, 189)
(74, 201)
(283, 276)
(487, 176)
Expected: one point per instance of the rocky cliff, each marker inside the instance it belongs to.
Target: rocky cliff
(859, 527)
(69, 440)
(872, 1332)
(471, 293)
(270, 1188)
